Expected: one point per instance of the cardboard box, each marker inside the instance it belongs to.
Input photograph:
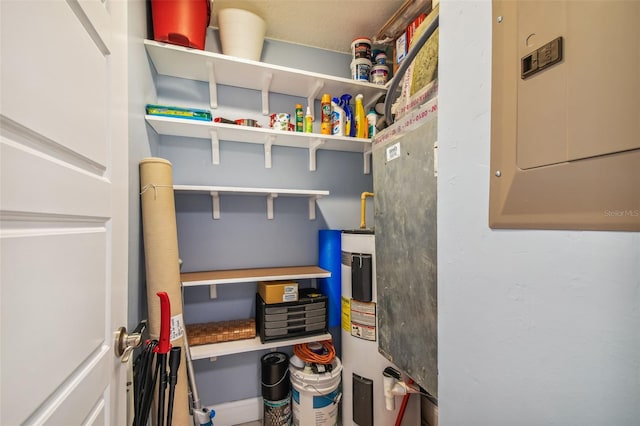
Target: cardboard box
(411, 28)
(278, 291)
(401, 47)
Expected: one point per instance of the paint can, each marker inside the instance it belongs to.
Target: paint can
(360, 69)
(276, 389)
(380, 58)
(379, 74)
(316, 396)
(361, 48)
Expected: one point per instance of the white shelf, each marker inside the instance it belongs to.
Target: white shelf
(268, 137)
(230, 276)
(270, 193)
(248, 345)
(215, 68)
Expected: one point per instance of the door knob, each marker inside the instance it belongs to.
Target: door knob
(125, 342)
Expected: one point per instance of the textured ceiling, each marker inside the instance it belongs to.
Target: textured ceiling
(327, 24)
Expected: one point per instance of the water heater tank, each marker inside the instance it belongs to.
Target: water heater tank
(363, 401)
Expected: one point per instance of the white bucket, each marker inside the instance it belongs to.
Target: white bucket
(241, 33)
(315, 397)
(360, 69)
(379, 74)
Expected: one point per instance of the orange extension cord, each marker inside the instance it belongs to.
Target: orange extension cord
(303, 352)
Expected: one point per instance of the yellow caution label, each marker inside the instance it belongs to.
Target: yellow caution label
(346, 314)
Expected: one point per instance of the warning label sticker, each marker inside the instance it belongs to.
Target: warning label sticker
(346, 315)
(363, 320)
(177, 327)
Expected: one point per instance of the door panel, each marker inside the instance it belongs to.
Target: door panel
(63, 212)
(56, 79)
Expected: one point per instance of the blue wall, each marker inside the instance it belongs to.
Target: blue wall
(243, 237)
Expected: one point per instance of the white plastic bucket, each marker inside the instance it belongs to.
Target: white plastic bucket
(360, 69)
(241, 33)
(379, 74)
(315, 397)
(361, 48)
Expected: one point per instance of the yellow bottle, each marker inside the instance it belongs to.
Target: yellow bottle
(360, 118)
(308, 121)
(325, 121)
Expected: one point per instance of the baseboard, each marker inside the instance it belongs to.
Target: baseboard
(237, 412)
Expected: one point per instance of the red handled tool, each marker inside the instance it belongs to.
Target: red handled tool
(145, 382)
(164, 346)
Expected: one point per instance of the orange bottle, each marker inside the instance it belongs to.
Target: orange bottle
(325, 122)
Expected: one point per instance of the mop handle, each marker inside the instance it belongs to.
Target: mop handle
(164, 344)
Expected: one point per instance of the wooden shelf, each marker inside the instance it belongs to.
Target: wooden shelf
(268, 137)
(215, 68)
(248, 345)
(230, 276)
(270, 193)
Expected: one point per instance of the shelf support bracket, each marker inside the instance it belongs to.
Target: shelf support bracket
(270, 198)
(213, 291)
(215, 147)
(213, 88)
(367, 161)
(313, 148)
(312, 207)
(266, 85)
(267, 150)
(315, 91)
(215, 199)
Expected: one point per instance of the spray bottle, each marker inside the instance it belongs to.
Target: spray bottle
(325, 122)
(308, 121)
(337, 118)
(372, 119)
(349, 125)
(361, 119)
(299, 118)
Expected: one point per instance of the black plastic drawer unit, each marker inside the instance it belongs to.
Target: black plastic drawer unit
(307, 316)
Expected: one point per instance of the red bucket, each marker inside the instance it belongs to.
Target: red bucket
(181, 22)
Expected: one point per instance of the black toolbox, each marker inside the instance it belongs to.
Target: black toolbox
(307, 316)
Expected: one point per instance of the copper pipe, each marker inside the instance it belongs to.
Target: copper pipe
(363, 207)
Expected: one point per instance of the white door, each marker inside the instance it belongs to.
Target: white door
(63, 211)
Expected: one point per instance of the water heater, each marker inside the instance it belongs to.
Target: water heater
(363, 401)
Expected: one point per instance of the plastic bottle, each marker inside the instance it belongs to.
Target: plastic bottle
(325, 121)
(299, 118)
(308, 121)
(361, 119)
(349, 125)
(372, 118)
(337, 118)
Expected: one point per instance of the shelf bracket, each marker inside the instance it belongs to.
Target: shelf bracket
(213, 291)
(367, 161)
(215, 199)
(312, 207)
(215, 147)
(315, 91)
(267, 150)
(266, 85)
(213, 88)
(270, 198)
(313, 147)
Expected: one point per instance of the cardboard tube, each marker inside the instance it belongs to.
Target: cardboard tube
(162, 266)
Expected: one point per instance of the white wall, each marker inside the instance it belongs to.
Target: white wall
(535, 327)
(142, 143)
